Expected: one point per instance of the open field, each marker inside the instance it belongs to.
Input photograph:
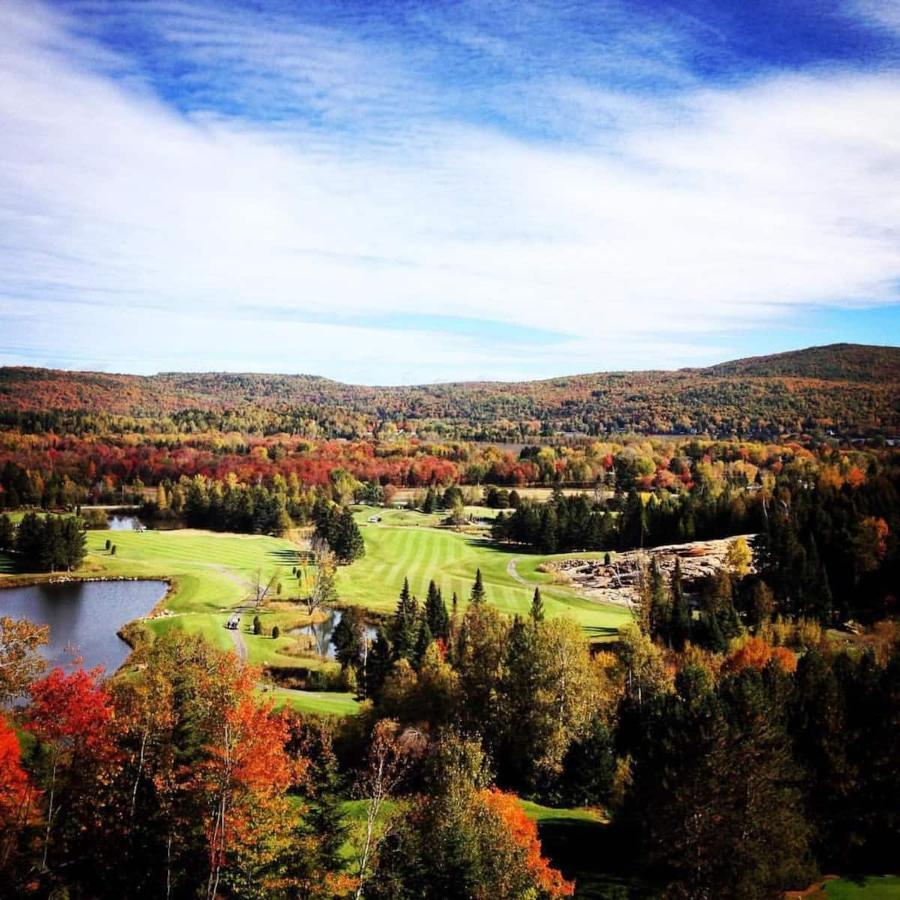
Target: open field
(422, 552)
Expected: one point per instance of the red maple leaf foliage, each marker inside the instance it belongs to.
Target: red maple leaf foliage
(73, 713)
(524, 832)
(16, 791)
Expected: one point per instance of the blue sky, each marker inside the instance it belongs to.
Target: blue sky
(409, 192)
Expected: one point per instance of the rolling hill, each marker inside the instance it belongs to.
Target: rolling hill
(849, 389)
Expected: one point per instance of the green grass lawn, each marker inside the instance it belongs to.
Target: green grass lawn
(872, 887)
(546, 814)
(406, 544)
(321, 703)
(212, 573)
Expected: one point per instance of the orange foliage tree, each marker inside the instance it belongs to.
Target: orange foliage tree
(243, 781)
(756, 653)
(524, 834)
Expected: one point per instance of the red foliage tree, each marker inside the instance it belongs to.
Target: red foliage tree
(17, 794)
(72, 717)
(525, 834)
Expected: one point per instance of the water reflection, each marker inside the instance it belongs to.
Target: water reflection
(322, 632)
(84, 617)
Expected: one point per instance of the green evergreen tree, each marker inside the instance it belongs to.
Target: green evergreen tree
(378, 664)
(537, 606)
(477, 595)
(347, 540)
(660, 603)
(423, 642)
(7, 533)
(436, 613)
(405, 625)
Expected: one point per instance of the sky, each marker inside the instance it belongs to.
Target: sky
(407, 192)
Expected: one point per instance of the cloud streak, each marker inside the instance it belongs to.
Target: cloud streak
(163, 197)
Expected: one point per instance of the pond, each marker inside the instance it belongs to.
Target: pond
(84, 616)
(122, 522)
(322, 632)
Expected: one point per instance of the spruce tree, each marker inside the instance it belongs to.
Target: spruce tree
(347, 541)
(537, 606)
(404, 630)
(378, 665)
(436, 613)
(660, 603)
(423, 642)
(7, 533)
(477, 595)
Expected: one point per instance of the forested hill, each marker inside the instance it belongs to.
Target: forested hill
(849, 389)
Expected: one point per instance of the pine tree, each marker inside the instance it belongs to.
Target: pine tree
(714, 638)
(378, 665)
(436, 613)
(7, 533)
(404, 629)
(347, 541)
(477, 595)
(537, 606)
(423, 642)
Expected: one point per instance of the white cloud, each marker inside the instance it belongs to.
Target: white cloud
(122, 217)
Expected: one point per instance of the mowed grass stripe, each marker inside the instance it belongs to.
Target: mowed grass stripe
(395, 552)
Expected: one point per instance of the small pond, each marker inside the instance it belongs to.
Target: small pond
(322, 632)
(84, 616)
(122, 522)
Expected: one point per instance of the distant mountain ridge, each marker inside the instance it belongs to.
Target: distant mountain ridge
(848, 388)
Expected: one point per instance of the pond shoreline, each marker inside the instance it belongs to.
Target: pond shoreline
(130, 632)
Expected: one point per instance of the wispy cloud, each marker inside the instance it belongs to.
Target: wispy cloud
(193, 186)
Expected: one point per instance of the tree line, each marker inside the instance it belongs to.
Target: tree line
(45, 543)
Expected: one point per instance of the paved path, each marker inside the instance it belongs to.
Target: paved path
(240, 645)
(513, 572)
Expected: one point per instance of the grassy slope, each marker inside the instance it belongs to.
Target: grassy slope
(321, 703)
(885, 887)
(404, 545)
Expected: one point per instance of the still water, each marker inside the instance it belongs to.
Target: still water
(84, 617)
(124, 523)
(322, 632)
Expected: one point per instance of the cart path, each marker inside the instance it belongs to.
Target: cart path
(240, 646)
(513, 572)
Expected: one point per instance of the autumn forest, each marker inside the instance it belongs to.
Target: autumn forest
(627, 635)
